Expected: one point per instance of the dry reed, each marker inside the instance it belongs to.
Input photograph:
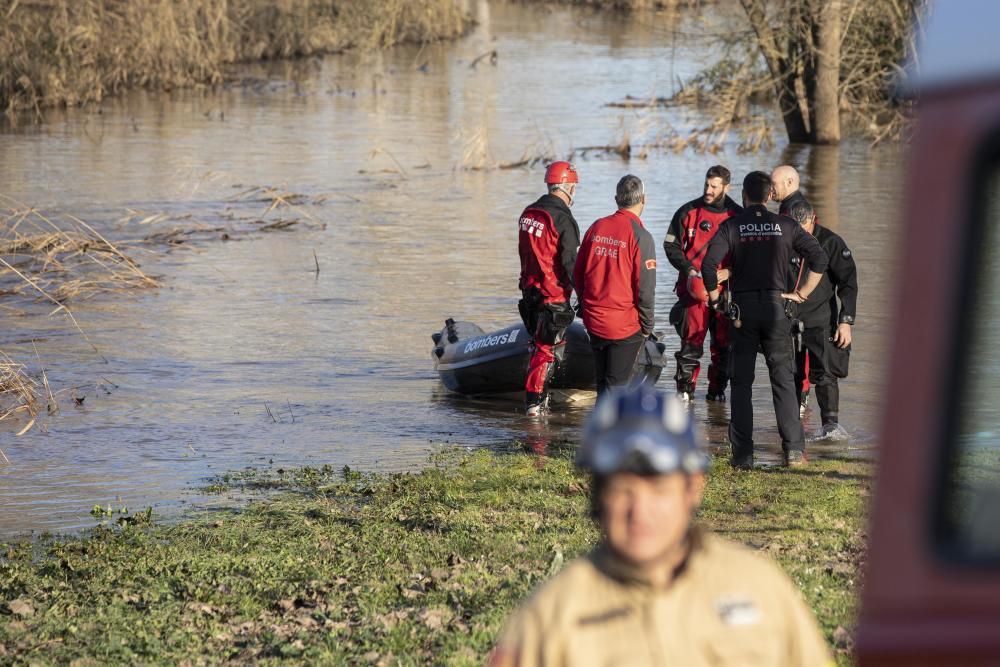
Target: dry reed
(19, 393)
(60, 261)
(624, 5)
(70, 52)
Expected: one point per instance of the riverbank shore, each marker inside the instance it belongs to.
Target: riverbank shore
(75, 52)
(337, 566)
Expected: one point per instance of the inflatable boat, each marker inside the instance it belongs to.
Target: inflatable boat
(471, 361)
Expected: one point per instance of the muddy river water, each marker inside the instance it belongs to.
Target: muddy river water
(247, 357)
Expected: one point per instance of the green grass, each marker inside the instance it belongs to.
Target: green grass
(340, 567)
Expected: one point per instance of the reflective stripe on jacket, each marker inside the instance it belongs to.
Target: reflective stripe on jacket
(547, 240)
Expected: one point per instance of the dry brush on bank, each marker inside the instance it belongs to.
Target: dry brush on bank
(627, 5)
(825, 65)
(70, 52)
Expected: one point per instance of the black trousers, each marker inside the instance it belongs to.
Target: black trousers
(764, 326)
(614, 360)
(816, 345)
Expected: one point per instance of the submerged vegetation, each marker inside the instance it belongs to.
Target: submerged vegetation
(51, 260)
(69, 52)
(57, 259)
(397, 569)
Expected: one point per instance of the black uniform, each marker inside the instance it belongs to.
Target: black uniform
(760, 245)
(820, 315)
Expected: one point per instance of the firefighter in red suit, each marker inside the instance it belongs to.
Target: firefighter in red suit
(548, 238)
(692, 227)
(615, 279)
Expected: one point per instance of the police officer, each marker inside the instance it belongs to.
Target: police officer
(760, 245)
(658, 589)
(692, 227)
(548, 238)
(826, 335)
(615, 278)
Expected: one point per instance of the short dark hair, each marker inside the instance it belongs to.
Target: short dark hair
(801, 212)
(629, 191)
(718, 171)
(756, 187)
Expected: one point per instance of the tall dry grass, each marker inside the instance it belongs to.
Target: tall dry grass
(623, 5)
(59, 259)
(19, 393)
(70, 52)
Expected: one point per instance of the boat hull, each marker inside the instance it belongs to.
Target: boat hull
(471, 361)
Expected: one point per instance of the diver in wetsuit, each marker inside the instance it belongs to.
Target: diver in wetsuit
(548, 238)
(826, 329)
(691, 229)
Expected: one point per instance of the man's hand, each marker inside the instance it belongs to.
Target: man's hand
(724, 275)
(713, 300)
(842, 337)
(793, 296)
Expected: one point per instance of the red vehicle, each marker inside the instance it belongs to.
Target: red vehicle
(932, 588)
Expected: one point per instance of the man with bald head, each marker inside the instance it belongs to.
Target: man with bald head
(827, 334)
(785, 188)
(785, 191)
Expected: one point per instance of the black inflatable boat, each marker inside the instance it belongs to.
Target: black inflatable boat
(473, 362)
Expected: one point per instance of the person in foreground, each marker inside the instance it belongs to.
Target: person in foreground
(658, 590)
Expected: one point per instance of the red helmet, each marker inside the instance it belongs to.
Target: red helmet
(696, 288)
(561, 172)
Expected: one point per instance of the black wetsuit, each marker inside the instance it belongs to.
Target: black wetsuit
(760, 245)
(820, 316)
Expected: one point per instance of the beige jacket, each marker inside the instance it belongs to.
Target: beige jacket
(726, 606)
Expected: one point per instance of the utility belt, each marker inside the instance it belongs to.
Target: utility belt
(545, 322)
(798, 327)
(758, 295)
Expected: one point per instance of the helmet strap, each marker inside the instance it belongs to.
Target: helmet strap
(562, 188)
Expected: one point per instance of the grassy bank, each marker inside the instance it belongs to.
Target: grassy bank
(400, 569)
(67, 52)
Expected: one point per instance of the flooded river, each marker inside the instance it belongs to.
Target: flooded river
(248, 357)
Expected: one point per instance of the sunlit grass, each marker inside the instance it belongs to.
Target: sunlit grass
(415, 568)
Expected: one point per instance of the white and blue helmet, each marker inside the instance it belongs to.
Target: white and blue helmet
(640, 430)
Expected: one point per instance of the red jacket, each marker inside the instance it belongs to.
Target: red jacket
(547, 239)
(692, 227)
(615, 277)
